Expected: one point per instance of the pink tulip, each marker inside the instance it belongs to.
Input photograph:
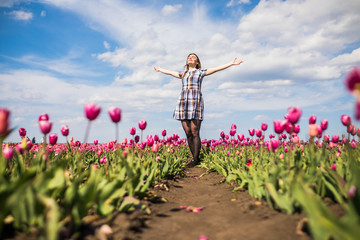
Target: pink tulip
(44, 117)
(115, 114)
(258, 132)
(294, 114)
(4, 121)
(357, 110)
(92, 111)
(222, 135)
(53, 138)
(352, 192)
(8, 153)
(279, 126)
(64, 130)
(232, 131)
(251, 131)
(333, 166)
(274, 143)
(312, 119)
(324, 124)
(142, 124)
(96, 142)
(313, 130)
(345, 119)
(132, 131)
(289, 127)
(353, 144)
(22, 132)
(155, 147)
(240, 136)
(264, 126)
(163, 132)
(296, 128)
(45, 126)
(335, 138)
(352, 80)
(295, 139)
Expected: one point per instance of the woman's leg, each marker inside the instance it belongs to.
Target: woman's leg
(186, 124)
(195, 131)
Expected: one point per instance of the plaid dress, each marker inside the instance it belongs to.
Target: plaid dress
(190, 104)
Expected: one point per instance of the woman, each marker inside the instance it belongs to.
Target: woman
(190, 106)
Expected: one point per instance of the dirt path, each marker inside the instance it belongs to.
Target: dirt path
(225, 215)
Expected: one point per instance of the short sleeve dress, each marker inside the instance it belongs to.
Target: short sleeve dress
(190, 104)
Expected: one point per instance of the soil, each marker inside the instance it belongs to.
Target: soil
(222, 214)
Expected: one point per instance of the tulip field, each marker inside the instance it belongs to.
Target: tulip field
(53, 189)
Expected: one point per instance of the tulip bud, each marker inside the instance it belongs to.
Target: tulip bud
(232, 131)
(142, 124)
(335, 138)
(345, 119)
(45, 126)
(4, 121)
(92, 111)
(251, 131)
(156, 138)
(22, 132)
(155, 147)
(163, 132)
(294, 114)
(115, 114)
(64, 130)
(264, 126)
(352, 80)
(258, 132)
(53, 138)
(8, 153)
(312, 119)
(222, 135)
(296, 128)
(137, 138)
(352, 192)
(333, 166)
(324, 124)
(313, 130)
(274, 143)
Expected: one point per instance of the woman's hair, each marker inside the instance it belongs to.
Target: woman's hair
(198, 65)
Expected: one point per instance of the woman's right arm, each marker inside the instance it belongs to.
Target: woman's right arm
(168, 72)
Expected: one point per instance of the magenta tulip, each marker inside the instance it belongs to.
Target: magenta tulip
(96, 142)
(312, 119)
(357, 110)
(8, 153)
(335, 138)
(274, 143)
(345, 119)
(45, 126)
(232, 131)
(92, 111)
(258, 132)
(65, 130)
(251, 131)
(142, 124)
(279, 126)
(4, 121)
(264, 126)
(222, 135)
(294, 114)
(296, 128)
(156, 138)
(240, 136)
(137, 138)
(289, 127)
(115, 114)
(324, 124)
(44, 117)
(163, 132)
(132, 131)
(22, 132)
(53, 138)
(352, 80)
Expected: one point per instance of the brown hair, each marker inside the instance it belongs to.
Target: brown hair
(198, 65)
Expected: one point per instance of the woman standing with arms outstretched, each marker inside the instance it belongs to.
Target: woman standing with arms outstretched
(190, 106)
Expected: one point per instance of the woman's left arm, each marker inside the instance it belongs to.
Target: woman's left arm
(222, 67)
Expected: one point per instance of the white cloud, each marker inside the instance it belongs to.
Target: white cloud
(233, 2)
(21, 15)
(43, 13)
(170, 9)
(106, 45)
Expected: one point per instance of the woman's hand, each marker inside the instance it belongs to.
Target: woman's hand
(237, 62)
(157, 68)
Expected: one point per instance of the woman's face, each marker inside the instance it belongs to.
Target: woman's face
(192, 59)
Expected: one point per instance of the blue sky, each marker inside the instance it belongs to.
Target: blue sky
(57, 55)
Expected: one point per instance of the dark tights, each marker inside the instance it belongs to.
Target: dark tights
(192, 130)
